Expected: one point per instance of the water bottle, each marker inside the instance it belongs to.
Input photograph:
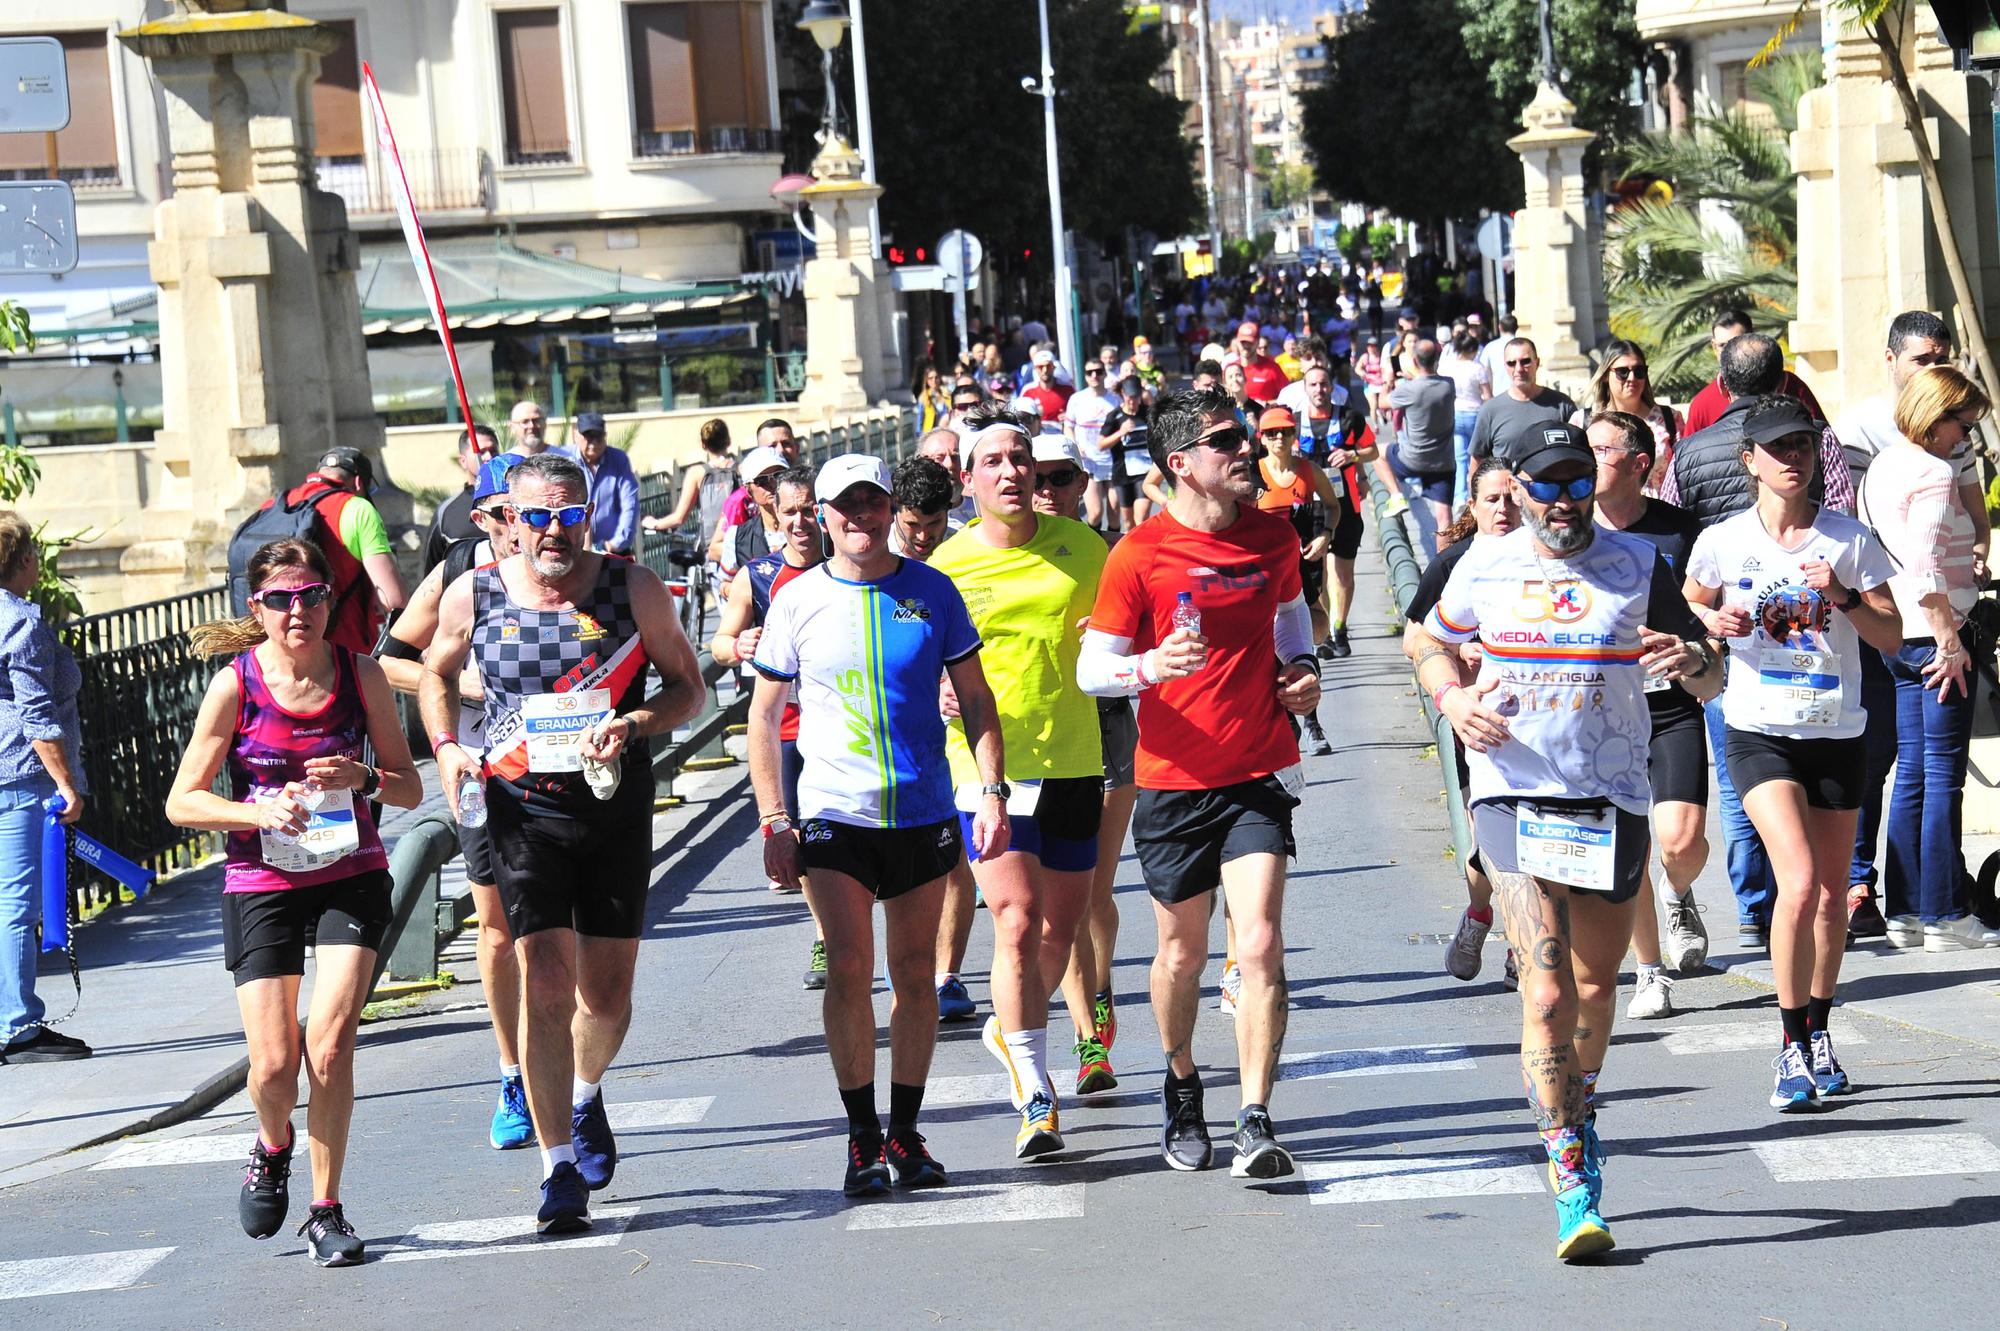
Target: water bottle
(472, 800)
(1185, 615)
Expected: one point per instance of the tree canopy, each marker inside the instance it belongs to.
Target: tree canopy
(1597, 49)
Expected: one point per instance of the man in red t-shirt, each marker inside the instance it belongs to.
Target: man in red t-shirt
(1263, 377)
(1049, 396)
(1217, 762)
(366, 581)
(1709, 404)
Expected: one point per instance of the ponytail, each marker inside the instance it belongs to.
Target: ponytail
(226, 637)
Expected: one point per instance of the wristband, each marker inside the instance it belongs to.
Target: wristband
(1437, 694)
(777, 825)
(1147, 676)
(442, 738)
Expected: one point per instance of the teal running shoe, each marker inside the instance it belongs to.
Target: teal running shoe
(512, 1128)
(1580, 1230)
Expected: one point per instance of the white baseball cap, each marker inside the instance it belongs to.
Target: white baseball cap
(1055, 448)
(760, 460)
(848, 470)
(1043, 357)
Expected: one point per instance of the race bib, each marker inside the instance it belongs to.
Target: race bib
(1657, 683)
(1570, 846)
(1023, 798)
(1798, 688)
(331, 832)
(1293, 779)
(554, 725)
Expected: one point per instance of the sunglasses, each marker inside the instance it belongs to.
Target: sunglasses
(492, 512)
(1517, 364)
(1548, 492)
(539, 518)
(1626, 372)
(309, 597)
(1231, 440)
(1056, 480)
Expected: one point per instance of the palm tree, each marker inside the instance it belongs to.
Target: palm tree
(1714, 226)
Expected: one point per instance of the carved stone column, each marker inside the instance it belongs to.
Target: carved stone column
(1558, 270)
(846, 291)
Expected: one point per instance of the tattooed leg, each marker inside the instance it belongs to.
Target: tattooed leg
(1177, 968)
(1538, 922)
(1255, 888)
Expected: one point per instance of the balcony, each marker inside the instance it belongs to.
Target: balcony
(441, 180)
(1665, 20)
(651, 145)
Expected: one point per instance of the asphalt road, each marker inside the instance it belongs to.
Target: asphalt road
(1421, 1201)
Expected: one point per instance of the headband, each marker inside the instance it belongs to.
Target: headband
(971, 440)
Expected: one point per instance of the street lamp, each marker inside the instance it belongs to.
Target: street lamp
(827, 21)
(1046, 90)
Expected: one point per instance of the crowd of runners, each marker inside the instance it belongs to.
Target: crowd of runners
(1097, 601)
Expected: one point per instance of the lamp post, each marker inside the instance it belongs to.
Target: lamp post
(826, 20)
(827, 23)
(1065, 303)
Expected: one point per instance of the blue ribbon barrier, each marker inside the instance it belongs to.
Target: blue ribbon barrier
(56, 849)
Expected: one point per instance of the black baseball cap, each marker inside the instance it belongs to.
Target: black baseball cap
(590, 422)
(352, 461)
(1775, 416)
(1548, 446)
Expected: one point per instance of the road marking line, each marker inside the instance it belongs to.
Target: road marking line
(1864, 1155)
(1413, 1177)
(499, 1234)
(978, 1204)
(1379, 1062)
(658, 1113)
(986, 1088)
(1730, 1036)
(185, 1151)
(38, 1276)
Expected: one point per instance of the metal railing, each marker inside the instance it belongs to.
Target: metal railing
(441, 180)
(650, 144)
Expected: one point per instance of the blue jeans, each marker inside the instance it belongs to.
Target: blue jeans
(1925, 871)
(1461, 448)
(20, 906)
(1878, 696)
(1749, 867)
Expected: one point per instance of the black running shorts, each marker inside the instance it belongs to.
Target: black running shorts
(1832, 771)
(1118, 734)
(1346, 543)
(888, 861)
(1493, 825)
(1184, 837)
(477, 849)
(564, 873)
(1678, 757)
(266, 934)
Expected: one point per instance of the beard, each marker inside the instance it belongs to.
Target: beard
(1560, 540)
(554, 564)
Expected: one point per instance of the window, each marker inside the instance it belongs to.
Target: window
(534, 113)
(698, 80)
(336, 100)
(85, 152)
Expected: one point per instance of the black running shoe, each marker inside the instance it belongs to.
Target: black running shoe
(266, 1194)
(596, 1148)
(565, 1202)
(915, 1166)
(1325, 650)
(867, 1168)
(334, 1242)
(1258, 1154)
(1340, 647)
(1184, 1140)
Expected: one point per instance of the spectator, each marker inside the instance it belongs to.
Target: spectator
(366, 581)
(1493, 353)
(1624, 382)
(1709, 403)
(1707, 476)
(927, 390)
(707, 486)
(1423, 449)
(1516, 416)
(40, 739)
(614, 489)
(453, 520)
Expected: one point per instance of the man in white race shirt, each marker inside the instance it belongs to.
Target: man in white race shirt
(1570, 619)
(1083, 425)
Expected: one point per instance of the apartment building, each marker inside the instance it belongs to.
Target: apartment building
(1701, 52)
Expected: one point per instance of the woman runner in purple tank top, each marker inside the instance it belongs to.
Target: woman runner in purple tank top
(289, 717)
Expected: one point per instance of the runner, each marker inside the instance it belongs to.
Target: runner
(562, 639)
(756, 533)
(1678, 752)
(1083, 422)
(864, 638)
(1772, 579)
(1336, 437)
(735, 641)
(1297, 490)
(305, 866)
(1208, 592)
(1570, 620)
(1029, 581)
(1124, 436)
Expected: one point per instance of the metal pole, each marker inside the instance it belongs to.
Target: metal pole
(1065, 322)
(864, 128)
(1207, 128)
(958, 290)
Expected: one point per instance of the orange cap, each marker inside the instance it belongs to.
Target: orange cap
(1277, 418)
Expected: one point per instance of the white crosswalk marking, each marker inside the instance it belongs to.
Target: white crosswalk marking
(987, 1088)
(658, 1113)
(1378, 1062)
(39, 1276)
(1726, 1037)
(1861, 1155)
(1411, 1177)
(499, 1234)
(981, 1204)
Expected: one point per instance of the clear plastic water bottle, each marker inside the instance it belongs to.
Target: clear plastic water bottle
(1185, 615)
(472, 800)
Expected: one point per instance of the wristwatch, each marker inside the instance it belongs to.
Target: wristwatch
(372, 784)
(1853, 599)
(1000, 788)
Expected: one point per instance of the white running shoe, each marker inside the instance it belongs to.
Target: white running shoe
(1687, 938)
(1961, 935)
(1905, 932)
(1232, 986)
(1650, 999)
(1462, 953)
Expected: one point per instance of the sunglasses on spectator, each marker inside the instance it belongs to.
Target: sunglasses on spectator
(1547, 492)
(539, 518)
(309, 597)
(1056, 480)
(1516, 364)
(1626, 372)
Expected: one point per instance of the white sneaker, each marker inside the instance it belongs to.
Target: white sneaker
(1687, 938)
(1232, 985)
(1963, 935)
(1650, 999)
(1905, 931)
(1462, 953)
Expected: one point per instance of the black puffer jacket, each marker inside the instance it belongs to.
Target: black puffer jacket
(1708, 469)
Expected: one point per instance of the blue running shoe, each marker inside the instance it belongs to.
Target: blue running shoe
(1580, 1230)
(1828, 1075)
(954, 1003)
(512, 1128)
(1795, 1088)
(565, 1202)
(596, 1148)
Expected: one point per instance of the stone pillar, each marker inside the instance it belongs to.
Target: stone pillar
(260, 328)
(1558, 273)
(1867, 250)
(847, 291)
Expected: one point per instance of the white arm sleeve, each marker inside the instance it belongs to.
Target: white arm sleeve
(1105, 667)
(1292, 630)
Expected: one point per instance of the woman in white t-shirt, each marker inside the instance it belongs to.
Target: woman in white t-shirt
(1800, 592)
(1472, 384)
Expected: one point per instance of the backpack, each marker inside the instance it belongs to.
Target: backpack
(717, 483)
(275, 521)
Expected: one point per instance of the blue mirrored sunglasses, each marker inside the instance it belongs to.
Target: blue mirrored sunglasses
(1547, 492)
(539, 518)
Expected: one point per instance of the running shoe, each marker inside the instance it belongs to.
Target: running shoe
(1462, 953)
(1580, 1230)
(1104, 1016)
(1795, 1088)
(996, 1045)
(596, 1148)
(1864, 917)
(1258, 1154)
(1650, 997)
(1396, 507)
(915, 1166)
(512, 1128)
(1184, 1138)
(1687, 937)
(1232, 986)
(1340, 647)
(1325, 649)
(1041, 1133)
(1827, 1074)
(1314, 743)
(1093, 1068)
(565, 1202)
(1961, 935)
(1510, 975)
(333, 1240)
(816, 965)
(867, 1167)
(954, 1003)
(266, 1194)
(1904, 932)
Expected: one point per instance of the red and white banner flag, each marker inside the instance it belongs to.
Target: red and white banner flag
(413, 230)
